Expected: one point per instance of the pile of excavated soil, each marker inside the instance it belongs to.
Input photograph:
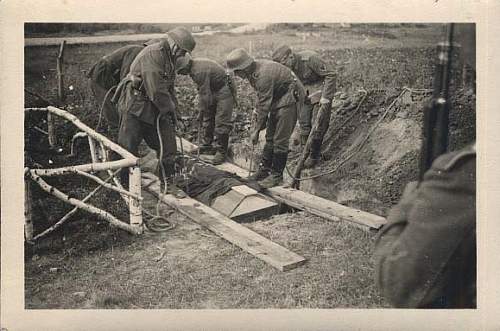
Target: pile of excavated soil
(374, 177)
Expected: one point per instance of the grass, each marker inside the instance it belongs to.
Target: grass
(200, 270)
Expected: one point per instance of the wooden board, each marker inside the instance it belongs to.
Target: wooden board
(304, 201)
(253, 243)
(253, 208)
(244, 204)
(325, 208)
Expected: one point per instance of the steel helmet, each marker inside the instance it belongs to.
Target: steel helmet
(281, 53)
(238, 59)
(183, 38)
(183, 63)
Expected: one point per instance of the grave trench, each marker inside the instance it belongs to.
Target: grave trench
(228, 194)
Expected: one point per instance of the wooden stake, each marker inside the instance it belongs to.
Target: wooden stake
(464, 76)
(105, 158)
(135, 200)
(93, 153)
(28, 211)
(60, 74)
(51, 130)
(82, 205)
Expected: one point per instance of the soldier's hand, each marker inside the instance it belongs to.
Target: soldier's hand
(254, 137)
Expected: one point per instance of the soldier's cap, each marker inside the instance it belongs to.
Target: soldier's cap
(183, 38)
(183, 63)
(238, 59)
(281, 53)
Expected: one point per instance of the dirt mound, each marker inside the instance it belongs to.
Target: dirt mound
(368, 161)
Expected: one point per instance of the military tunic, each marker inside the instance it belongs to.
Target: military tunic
(279, 96)
(426, 253)
(216, 94)
(311, 70)
(106, 73)
(146, 93)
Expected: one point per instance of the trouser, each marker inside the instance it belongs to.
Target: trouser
(218, 116)
(133, 131)
(307, 116)
(280, 125)
(101, 80)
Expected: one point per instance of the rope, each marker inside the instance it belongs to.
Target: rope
(349, 118)
(157, 222)
(102, 107)
(358, 148)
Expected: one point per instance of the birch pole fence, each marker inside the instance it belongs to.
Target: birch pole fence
(99, 146)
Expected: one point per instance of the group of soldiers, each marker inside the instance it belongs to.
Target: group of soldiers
(135, 86)
(425, 255)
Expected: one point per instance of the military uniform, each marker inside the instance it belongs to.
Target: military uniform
(426, 253)
(311, 69)
(280, 96)
(107, 73)
(217, 95)
(143, 95)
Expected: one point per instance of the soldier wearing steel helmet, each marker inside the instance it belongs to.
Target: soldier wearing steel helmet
(216, 98)
(106, 73)
(279, 94)
(426, 253)
(146, 99)
(311, 70)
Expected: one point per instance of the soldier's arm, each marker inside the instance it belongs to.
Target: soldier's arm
(423, 232)
(324, 70)
(128, 58)
(204, 91)
(158, 87)
(265, 91)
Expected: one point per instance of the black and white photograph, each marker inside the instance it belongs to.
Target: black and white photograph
(239, 165)
(247, 165)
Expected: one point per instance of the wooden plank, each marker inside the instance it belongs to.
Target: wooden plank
(315, 205)
(325, 208)
(226, 203)
(253, 243)
(244, 190)
(254, 207)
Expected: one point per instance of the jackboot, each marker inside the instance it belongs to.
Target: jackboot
(314, 155)
(221, 149)
(169, 176)
(276, 176)
(206, 149)
(265, 164)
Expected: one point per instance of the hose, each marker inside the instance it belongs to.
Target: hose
(157, 222)
(102, 107)
(358, 148)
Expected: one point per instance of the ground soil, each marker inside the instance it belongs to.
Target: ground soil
(189, 267)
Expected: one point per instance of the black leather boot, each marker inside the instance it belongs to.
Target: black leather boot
(314, 155)
(265, 164)
(221, 149)
(276, 176)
